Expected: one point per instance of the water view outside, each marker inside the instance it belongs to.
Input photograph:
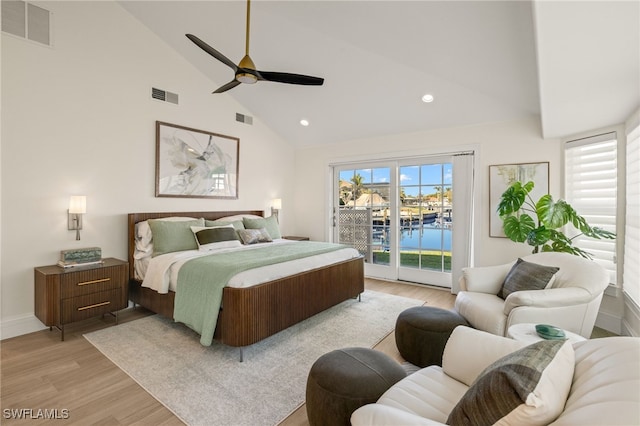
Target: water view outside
(366, 218)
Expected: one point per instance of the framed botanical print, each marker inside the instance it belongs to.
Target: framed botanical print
(502, 176)
(195, 163)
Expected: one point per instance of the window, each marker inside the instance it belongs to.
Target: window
(590, 187)
(631, 284)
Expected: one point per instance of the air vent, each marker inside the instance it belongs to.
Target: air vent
(164, 96)
(27, 21)
(247, 119)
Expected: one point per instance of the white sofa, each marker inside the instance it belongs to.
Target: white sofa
(571, 302)
(605, 389)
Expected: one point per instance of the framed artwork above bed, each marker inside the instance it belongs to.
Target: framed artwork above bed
(195, 163)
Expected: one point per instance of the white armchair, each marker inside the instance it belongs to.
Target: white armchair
(570, 302)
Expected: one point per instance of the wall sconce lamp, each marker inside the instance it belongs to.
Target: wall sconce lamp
(77, 207)
(276, 206)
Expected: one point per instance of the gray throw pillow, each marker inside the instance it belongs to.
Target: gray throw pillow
(526, 276)
(526, 387)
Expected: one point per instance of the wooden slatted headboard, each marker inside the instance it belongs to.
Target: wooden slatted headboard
(134, 218)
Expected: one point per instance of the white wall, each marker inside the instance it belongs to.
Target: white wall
(77, 119)
(497, 143)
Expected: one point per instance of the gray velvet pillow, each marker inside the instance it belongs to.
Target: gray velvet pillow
(526, 276)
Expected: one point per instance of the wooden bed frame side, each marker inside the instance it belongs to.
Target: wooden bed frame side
(251, 314)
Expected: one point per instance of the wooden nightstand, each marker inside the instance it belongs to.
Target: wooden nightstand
(294, 238)
(63, 296)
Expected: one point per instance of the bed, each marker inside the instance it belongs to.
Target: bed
(250, 314)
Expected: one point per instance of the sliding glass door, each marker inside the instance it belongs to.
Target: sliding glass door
(425, 219)
(398, 214)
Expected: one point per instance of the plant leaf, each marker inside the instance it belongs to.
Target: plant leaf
(527, 187)
(538, 236)
(599, 233)
(511, 200)
(518, 228)
(553, 214)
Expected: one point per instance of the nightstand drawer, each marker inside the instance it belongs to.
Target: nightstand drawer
(82, 307)
(79, 283)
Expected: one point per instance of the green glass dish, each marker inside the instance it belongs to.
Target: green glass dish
(550, 332)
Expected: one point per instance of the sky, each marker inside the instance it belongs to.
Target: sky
(413, 179)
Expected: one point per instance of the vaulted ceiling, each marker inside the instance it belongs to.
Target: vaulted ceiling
(575, 64)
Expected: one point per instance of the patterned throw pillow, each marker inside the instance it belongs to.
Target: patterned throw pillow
(527, 387)
(254, 236)
(270, 224)
(217, 237)
(527, 276)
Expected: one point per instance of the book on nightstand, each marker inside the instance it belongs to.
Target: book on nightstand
(80, 257)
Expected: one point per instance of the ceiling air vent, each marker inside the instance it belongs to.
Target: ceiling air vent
(164, 96)
(27, 21)
(247, 119)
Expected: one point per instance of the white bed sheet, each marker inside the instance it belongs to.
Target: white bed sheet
(161, 272)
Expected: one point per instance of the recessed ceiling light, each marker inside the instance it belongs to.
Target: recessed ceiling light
(304, 122)
(427, 98)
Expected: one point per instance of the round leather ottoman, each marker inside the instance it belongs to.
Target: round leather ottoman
(422, 332)
(344, 380)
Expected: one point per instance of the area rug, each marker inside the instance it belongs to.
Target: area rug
(208, 385)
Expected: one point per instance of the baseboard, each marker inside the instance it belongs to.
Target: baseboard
(19, 325)
(609, 322)
(631, 320)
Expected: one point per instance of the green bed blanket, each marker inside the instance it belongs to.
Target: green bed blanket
(201, 280)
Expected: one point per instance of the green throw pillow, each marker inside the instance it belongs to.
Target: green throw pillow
(170, 236)
(527, 387)
(237, 224)
(270, 224)
(527, 276)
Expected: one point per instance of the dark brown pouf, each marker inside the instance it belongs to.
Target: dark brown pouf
(422, 332)
(344, 380)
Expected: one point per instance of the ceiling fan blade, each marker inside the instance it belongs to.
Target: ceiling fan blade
(284, 77)
(213, 52)
(229, 85)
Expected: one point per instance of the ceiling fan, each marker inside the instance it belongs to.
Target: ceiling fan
(246, 72)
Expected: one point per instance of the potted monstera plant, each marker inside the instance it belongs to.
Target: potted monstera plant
(540, 224)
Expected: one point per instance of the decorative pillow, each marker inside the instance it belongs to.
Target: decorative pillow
(216, 237)
(270, 224)
(143, 237)
(237, 224)
(170, 236)
(253, 236)
(527, 276)
(527, 387)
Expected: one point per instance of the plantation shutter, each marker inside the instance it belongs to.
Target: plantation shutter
(590, 187)
(631, 283)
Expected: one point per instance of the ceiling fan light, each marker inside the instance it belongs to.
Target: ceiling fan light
(246, 78)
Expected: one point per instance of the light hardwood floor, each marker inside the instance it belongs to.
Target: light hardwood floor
(38, 371)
